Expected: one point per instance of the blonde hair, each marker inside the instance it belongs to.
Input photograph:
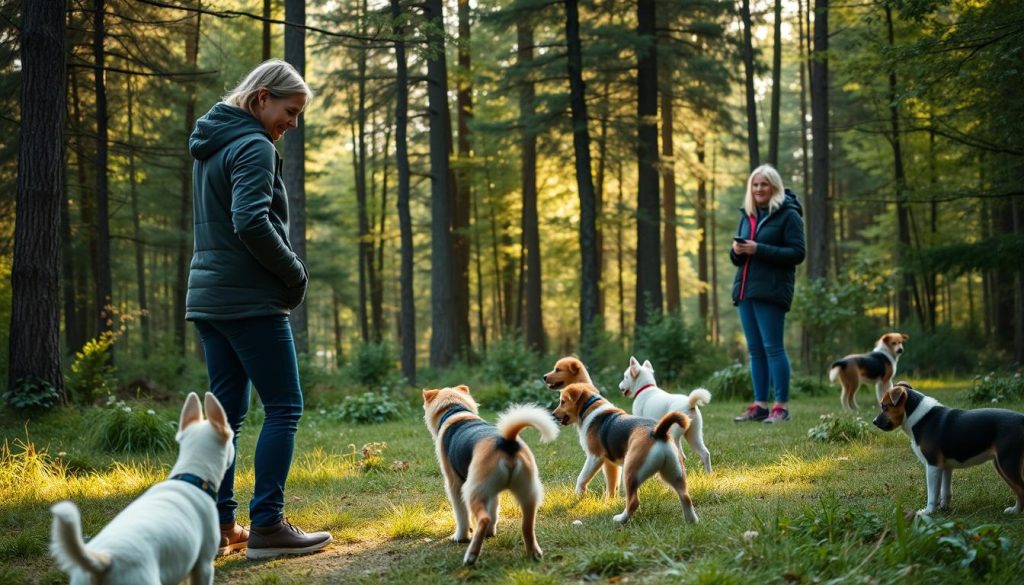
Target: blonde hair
(778, 190)
(276, 76)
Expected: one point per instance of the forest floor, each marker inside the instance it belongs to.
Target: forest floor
(778, 507)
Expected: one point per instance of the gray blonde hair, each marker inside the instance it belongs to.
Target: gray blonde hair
(778, 190)
(276, 76)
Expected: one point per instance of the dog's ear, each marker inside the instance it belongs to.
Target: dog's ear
(648, 366)
(904, 336)
(190, 412)
(897, 394)
(429, 395)
(574, 367)
(216, 415)
(634, 367)
(462, 388)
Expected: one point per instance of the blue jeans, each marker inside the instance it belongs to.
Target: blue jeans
(763, 325)
(259, 350)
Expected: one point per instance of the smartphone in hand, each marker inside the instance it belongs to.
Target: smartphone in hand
(739, 240)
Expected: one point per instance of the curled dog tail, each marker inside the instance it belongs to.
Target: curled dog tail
(699, 397)
(836, 367)
(660, 432)
(518, 417)
(67, 547)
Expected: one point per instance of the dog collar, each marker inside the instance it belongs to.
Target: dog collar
(452, 411)
(198, 482)
(590, 401)
(642, 388)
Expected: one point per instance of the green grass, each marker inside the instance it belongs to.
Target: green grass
(779, 507)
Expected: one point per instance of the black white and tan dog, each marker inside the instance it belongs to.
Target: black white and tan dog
(948, 438)
(480, 460)
(610, 438)
(879, 367)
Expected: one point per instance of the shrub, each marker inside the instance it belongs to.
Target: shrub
(668, 343)
(944, 350)
(809, 386)
(31, 393)
(120, 428)
(501, 396)
(839, 429)
(368, 407)
(993, 387)
(372, 363)
(508, 360)
(91, 373)
(731, 382)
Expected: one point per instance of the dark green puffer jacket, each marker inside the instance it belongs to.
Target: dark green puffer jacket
(769, 274)
(242, 263)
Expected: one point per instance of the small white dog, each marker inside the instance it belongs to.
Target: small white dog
(170, 532)
(649, 401)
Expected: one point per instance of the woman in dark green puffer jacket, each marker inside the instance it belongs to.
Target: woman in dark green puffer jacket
(244, 281)
(768, 245)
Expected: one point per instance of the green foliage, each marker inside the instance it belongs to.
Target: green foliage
(839, 429)
(121, 428)
(372, 364)
(91, 373)
(500, 396)
(609, 562)
(509, 361)
(833, 521)
(731, 382)
(368, 408)
(977, 550)
(671, 346)
(31, 393)
(809, 385)
(994, 387)
(164, 372)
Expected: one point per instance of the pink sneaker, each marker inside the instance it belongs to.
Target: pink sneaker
(753, 413)
(779, 414)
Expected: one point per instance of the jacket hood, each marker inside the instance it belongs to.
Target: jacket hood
(219, 127)
(789, 201)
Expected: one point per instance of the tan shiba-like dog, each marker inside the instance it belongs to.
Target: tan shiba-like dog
(480, 460)
(879, 367)
(170, 532)
(568, 370)
(652, 402)
(611, 437)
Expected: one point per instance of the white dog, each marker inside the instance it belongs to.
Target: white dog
(169, 533)
(649, 401)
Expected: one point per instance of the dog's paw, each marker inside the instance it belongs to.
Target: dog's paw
(469, 559)
(459, 538)
(1012, 510)
(691, 516)
(535, 554)
(620, 518)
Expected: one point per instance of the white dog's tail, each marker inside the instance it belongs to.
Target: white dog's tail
(833, 373)
(66, 543)
(518, 417)
(699, 397)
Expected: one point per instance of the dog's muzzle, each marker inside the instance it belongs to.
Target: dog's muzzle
(881, 421)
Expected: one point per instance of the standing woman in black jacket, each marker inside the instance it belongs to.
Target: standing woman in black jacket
(768, 245)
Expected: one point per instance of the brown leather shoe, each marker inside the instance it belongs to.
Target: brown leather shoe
(233, 537)
(267, 542)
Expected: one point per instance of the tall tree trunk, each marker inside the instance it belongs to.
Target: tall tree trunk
(668, 199)
(359, 156)
(266, 29)
(716, 335)
(620, 252)
(183, 255)
(294, 164)
(804, 146)
(599, 190)
(648, 221)
(103, 278)
(528, 179)
(339, 356)
(140, 247)
(902, 212)
(703, 213)
(73, 335)
(34, 354)
(463, 194)
(817, 200)
(584, 181)
(748, 66)
(87, 221)
(407, 318)
(444, 336)
(773, 128)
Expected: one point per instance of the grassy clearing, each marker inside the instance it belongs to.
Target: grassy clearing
(779, 507)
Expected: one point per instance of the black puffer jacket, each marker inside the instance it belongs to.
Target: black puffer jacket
(769, 275)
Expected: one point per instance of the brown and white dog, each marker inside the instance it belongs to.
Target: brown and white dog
(568, 370)
(610, 438)
(652, 402)
(879, 367)
(948, 438)
(480, 460)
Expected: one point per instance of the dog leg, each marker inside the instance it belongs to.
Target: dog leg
(933, 477)
(1008, 464)
(590, 468)
(461, 534)
(632, 502)
(479, 509)
(675, 477)
(945, 490)
(529, 507)
(492, 511)
(695, 437)
(611, 478)
(202, 573)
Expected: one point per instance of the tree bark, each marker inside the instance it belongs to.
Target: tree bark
(773, 128)
(902, 212)
(103, 278)
(463, 192)
(804, 145)
(266, 29)
(34, 353)
(668, 199)
(407, 318)
(535, 339)
(139, 244)
(294, 163)
(648, 221)
(584, 181)
(184, 249)
(817, 200)
(702, 228)
(748, 66)
(444, 337)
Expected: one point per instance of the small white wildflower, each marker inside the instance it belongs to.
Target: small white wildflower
(151, 412)
(110, 399)
(750, 535)
(995, 400)
(127, 409)
(62, 454)
(577, 522)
